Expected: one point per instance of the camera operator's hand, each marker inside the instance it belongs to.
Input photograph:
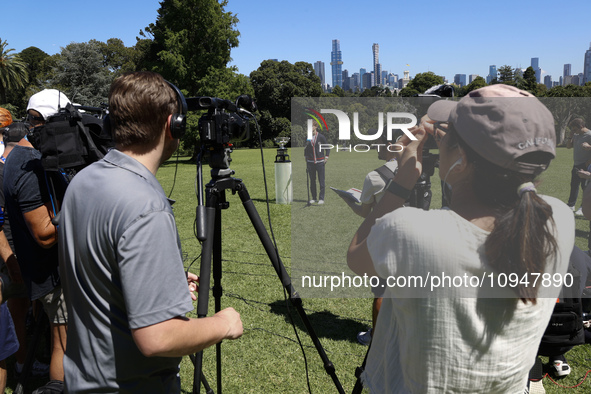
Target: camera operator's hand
(232, 321)
(586, 146)
(410, 160)
(584, 174)
(193, 281)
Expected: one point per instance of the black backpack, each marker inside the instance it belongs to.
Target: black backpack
(565, 329)
(70, 140)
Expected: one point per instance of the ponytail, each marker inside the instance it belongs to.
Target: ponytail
(522, 240)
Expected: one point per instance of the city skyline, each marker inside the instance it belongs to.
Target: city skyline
(429, 35)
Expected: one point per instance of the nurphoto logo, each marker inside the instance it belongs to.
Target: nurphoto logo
(344, 131)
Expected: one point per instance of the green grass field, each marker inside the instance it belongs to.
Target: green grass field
(268, 358)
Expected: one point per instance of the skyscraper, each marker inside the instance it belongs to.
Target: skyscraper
(377, 68)
(319, 70)
(535, 64)
(566, 70)
(336, 62)
(492, 74)
(362, 85)
(587, 66)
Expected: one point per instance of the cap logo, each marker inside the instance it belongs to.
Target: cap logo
(535, 142)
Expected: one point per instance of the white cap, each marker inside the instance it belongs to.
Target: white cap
(47, 102)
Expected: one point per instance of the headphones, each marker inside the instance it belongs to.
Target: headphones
(457, 163)
(178, 122)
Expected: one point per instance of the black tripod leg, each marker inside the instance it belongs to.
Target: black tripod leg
(357, 389)
(217, 284)
(294, 297)
(204, 280)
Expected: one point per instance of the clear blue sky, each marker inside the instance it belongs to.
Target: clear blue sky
(447, 37)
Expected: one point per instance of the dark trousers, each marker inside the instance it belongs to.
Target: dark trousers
(575, 182)
(315, 169)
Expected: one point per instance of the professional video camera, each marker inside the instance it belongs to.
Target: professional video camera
(72, 139)
(422, 192)
(223, 124)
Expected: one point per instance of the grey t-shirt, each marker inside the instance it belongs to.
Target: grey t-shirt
(580, 155)
(121, 264)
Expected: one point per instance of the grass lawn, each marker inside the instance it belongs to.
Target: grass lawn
(268, 358)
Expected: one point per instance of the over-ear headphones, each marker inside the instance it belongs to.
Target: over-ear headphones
(178, 122)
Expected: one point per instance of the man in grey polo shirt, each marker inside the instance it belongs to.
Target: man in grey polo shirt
(120, 255)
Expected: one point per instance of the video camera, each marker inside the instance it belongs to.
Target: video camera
(223, 124)
(424, 101)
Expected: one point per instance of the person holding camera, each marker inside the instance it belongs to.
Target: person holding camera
(121, 259)
(31, 209)
(465, 338)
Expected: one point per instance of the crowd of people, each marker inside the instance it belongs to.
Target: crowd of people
(103, 272)
(108, 270)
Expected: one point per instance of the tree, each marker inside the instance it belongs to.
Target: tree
(117, 58)
(275, 84)
(13, 71)
(190, 37)
(376, 91)
(529, 81)
(506, 75)
(477, 83)
(421, 82)
(81, 74)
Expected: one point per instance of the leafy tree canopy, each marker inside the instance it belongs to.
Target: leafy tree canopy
(189, 38)
(423, 81)
(275, 83)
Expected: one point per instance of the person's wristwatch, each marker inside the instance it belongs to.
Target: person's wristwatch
(398, 190)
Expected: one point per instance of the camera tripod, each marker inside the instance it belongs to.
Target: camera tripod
(212, 246)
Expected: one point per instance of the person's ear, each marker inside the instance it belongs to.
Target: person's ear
(167, 131)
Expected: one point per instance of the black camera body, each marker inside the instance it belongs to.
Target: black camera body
(220, 127)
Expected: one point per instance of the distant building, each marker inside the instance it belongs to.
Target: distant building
(587, 66)
(362, 85)
(319, 70)
(404, 81)
(535, 64)
(548, 81)
(472, 77)
(492, 74)
(336, 62)
(460, 80)
(377, 68)
(566, 70)
(366, 80)
(346, 81)
(355, 82)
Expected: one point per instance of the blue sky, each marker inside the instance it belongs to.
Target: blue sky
(447, 37)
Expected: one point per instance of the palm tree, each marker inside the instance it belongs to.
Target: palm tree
(13, 71)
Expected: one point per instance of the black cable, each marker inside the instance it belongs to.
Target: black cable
(278, 257)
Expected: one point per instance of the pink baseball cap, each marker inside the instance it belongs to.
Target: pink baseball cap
(503, 125)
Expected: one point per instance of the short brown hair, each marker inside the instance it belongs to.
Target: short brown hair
(139, 105)
(577, 122)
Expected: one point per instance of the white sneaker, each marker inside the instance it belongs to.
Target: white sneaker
(364, 337)
(311, 201)
(572, 208)
(561, 368)
(320, 202)
(579, 212)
